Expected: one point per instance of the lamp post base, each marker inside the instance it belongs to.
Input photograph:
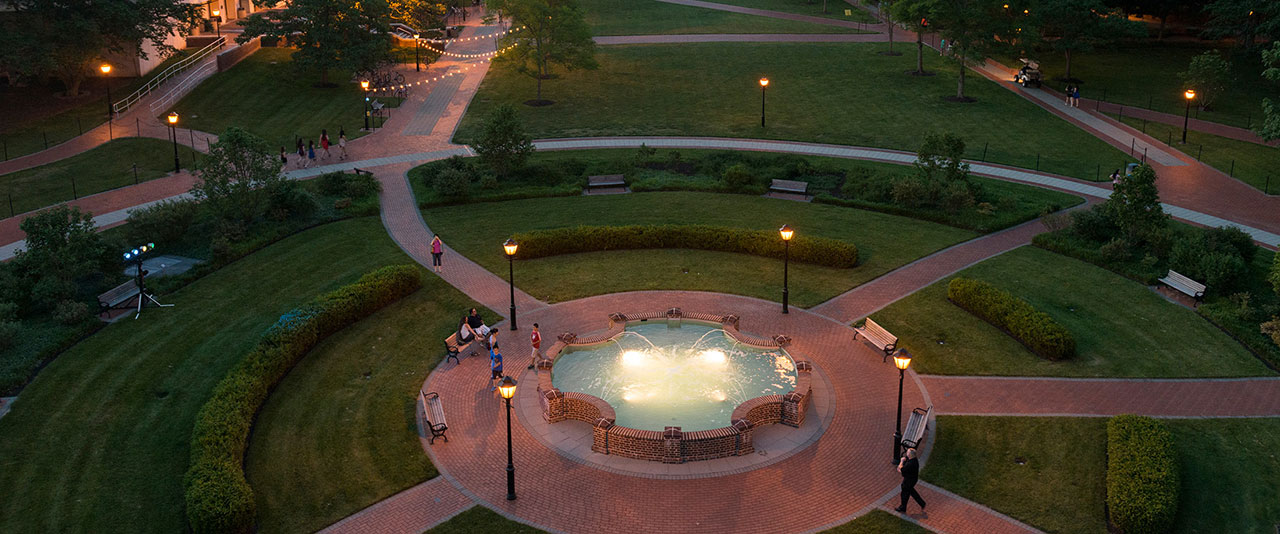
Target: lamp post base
(897, 447)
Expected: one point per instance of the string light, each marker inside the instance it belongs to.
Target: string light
(443, 76)
(475, 38)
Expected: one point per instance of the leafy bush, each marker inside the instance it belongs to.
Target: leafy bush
(452, 183)
(9, 332)
(1094, 223)
(287, 200)
(1142, 475)
(218, 498)
(1214, 257)
(1033, 328)
(360, 185)
(738, 177)
(70, 312)
(815, 250)
(332, 183)
(163, 222)
(1274, 276)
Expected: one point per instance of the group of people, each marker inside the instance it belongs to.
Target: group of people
(307, 154)
(1073, 95)
(472, 328)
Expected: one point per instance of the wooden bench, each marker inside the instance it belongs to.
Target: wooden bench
(1186, 285)
(916, 425)
(790, 186)
(878, 336)
(607, 180)
(114, 299)
(433, 412)
(452, 349)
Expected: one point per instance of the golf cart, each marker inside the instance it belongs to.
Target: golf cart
(1029, 75)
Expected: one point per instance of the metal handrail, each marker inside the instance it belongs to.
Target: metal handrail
(181, 89)
(127, 102)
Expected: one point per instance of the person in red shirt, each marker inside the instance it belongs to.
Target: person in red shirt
(536, 340)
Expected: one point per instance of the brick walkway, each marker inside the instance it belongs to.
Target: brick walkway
(951, 513)
(783, 15)
(411, 511)
(1236, 397)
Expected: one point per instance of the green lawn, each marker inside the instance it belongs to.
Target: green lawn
(878, 522)
(1230, 469)
(1228, 466)
(1122, 329)
(884, 243)
(339, 432)
(649, 17)
(27, 136)
(481, 519)
(840, 93)
(813, 8)
(285, 103)
(1058, 487)
(1251, 163)
(103, 168)
(98, 441)
(1148, 77)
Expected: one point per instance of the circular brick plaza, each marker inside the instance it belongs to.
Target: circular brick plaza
(835, 466)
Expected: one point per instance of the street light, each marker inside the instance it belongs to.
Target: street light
(902, 360)
(508, 389)
(364, 85)
(510, 248)
(111, 110)
(764, 83)
(173, 129)
(217, 22)
(786, 233)
(417, 65)
(1191, 95)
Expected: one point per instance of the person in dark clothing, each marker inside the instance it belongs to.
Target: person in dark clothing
(909, 466)
(477, 324)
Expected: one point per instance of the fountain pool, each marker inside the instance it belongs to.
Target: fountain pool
(689, 375)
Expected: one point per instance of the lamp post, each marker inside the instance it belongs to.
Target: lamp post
(901, 359)
(364, 85)
(1191, 95)
(106, 69)
(173, 129)
(508, 389)
(510, 248)
(417, 64)
(217, 23)
(764, 83)
(786, 233)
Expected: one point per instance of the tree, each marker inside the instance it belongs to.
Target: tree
(916, 13)
(351, 35)
(63, 246)
(1160, 9)
(67, 37)
(236, 175)
(554, 33)
(941, 158)
(1135, 204)
(887, 15)
(418, 14)
(1270, 127)
(1208, 74)
(1079, 26)
(1243, 20)
(975, 30)
(504, 145)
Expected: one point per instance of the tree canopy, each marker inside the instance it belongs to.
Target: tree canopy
(236, 174)
(66, 38)
(977, 29)
(554, 34)
(1074, 27)
(351, 35)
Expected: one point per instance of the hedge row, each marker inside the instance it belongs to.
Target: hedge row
(815, 250)
(218, 497)
(1142, 475)
(1031, 327)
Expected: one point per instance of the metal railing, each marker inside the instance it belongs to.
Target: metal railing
(195, 77)
(128, 102)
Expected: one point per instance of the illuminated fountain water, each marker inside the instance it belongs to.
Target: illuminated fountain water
(691, 376)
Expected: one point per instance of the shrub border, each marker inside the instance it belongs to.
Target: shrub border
(217, 494)
(576, 239)
(1143, 483)
(1034, 329)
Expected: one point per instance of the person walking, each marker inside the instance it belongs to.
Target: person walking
(1068, 91)
(1075, 97)
(535, 339)
(302, 154)
(324, 143)
(311, 153)
(437, 250)
(909, 466)
(284, 158)
(342, 144)
(495, 364)
(492, 340)
(1115, 178)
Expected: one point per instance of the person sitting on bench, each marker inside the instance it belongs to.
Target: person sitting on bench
(465, 333)
(477, 324)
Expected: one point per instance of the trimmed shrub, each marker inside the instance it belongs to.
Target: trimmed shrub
(1033, 328)
(163, 222)
(332, 183)
(738, 177)
(70, 312)
(218, 497)
(452, 183)
(1142, 475)
(572, 240)
(360, 185)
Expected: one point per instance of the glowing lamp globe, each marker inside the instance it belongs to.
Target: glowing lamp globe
(786, 232)
(105, 68)
(173, 117)
(364, 84)
(217, 12)
(764, 82)
(1190, 94)
(507, 388)
(510, 247)
(902, 359)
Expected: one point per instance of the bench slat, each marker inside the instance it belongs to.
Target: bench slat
(433, 412)
(789, 186)
(877, 335)
(1183, 284)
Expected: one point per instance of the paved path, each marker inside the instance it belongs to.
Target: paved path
(411, 511)
(1242, 397)
(743, 38)
(953, 514)
(773, 14)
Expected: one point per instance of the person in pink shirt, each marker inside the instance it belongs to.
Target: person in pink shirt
(437, 250)
(535, 339)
